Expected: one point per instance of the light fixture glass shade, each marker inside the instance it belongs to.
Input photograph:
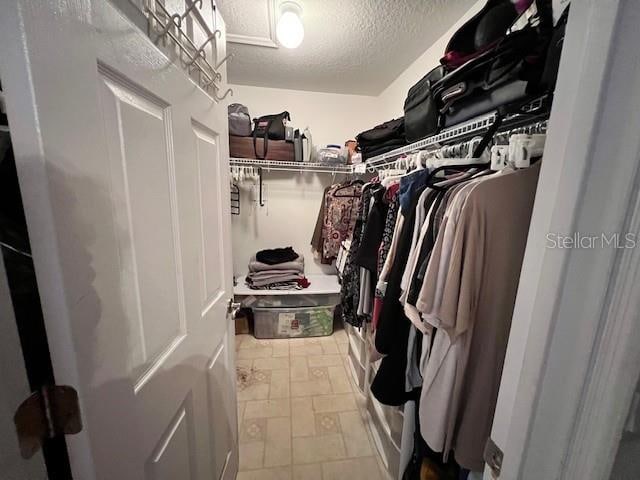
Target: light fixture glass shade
(289, 29)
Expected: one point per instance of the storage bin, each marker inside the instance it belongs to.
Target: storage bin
(387, 449)
(242, 147)
(390, 418)
(358, 344)
(358, 372)
(293, 322)
(289, 301)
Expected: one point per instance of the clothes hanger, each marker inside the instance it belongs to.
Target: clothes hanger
(335, 195)
(477, 160)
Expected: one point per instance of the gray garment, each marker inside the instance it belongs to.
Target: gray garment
(261, 282)
(365, 302)
(270, 273)
(366, 299)
(297, 264)
(413, 373)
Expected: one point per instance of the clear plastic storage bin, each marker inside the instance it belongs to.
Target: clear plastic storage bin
(293, 322)
(289, 301)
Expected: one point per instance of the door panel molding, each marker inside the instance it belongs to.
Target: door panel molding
(150, 229)
(210, 216)
(181, 429)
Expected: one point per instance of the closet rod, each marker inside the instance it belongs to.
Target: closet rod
(533, 113)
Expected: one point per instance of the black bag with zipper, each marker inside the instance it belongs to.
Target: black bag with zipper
(479, 34)
(421, 113)
(509, 72)
(269, 127)
(499, 68)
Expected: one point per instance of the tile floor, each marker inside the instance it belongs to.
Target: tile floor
(299, 414)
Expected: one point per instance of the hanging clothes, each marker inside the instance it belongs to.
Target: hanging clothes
(317, 240)
(474, 318)
(446, 265)
(336, 219)
(351, 288)
(390, 226)
(342, 203)
(393, 327)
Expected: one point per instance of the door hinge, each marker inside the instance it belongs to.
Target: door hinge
(48, 413)
(493, 456)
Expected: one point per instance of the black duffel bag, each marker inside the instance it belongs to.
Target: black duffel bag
(387, 131)
(269, 127)
(421, 113)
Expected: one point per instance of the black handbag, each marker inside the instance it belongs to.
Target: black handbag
(269, 127)
(420, 110)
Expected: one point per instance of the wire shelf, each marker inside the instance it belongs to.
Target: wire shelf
(533, 112)
(277, 165)
(460, 131)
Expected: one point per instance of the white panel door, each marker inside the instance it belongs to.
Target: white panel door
(123, 166)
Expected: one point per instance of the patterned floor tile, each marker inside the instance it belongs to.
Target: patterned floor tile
(327, 423)
(298, 416)
(253, 430)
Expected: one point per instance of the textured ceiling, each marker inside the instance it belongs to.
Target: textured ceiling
(350, 46)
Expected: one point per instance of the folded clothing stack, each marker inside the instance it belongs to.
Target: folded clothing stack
(382, 139)
(277, 269)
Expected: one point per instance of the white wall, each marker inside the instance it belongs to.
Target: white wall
(391, 100)
(332, 117)
(287, 219)
(293, 199)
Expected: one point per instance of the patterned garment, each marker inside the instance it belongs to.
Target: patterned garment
(350, 292)
(387, 236)
(278, 286)
(389, 226)
(341, 207)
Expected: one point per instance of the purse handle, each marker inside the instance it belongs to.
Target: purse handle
(265, 144)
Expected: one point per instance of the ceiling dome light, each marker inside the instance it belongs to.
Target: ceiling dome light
(289, 29)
